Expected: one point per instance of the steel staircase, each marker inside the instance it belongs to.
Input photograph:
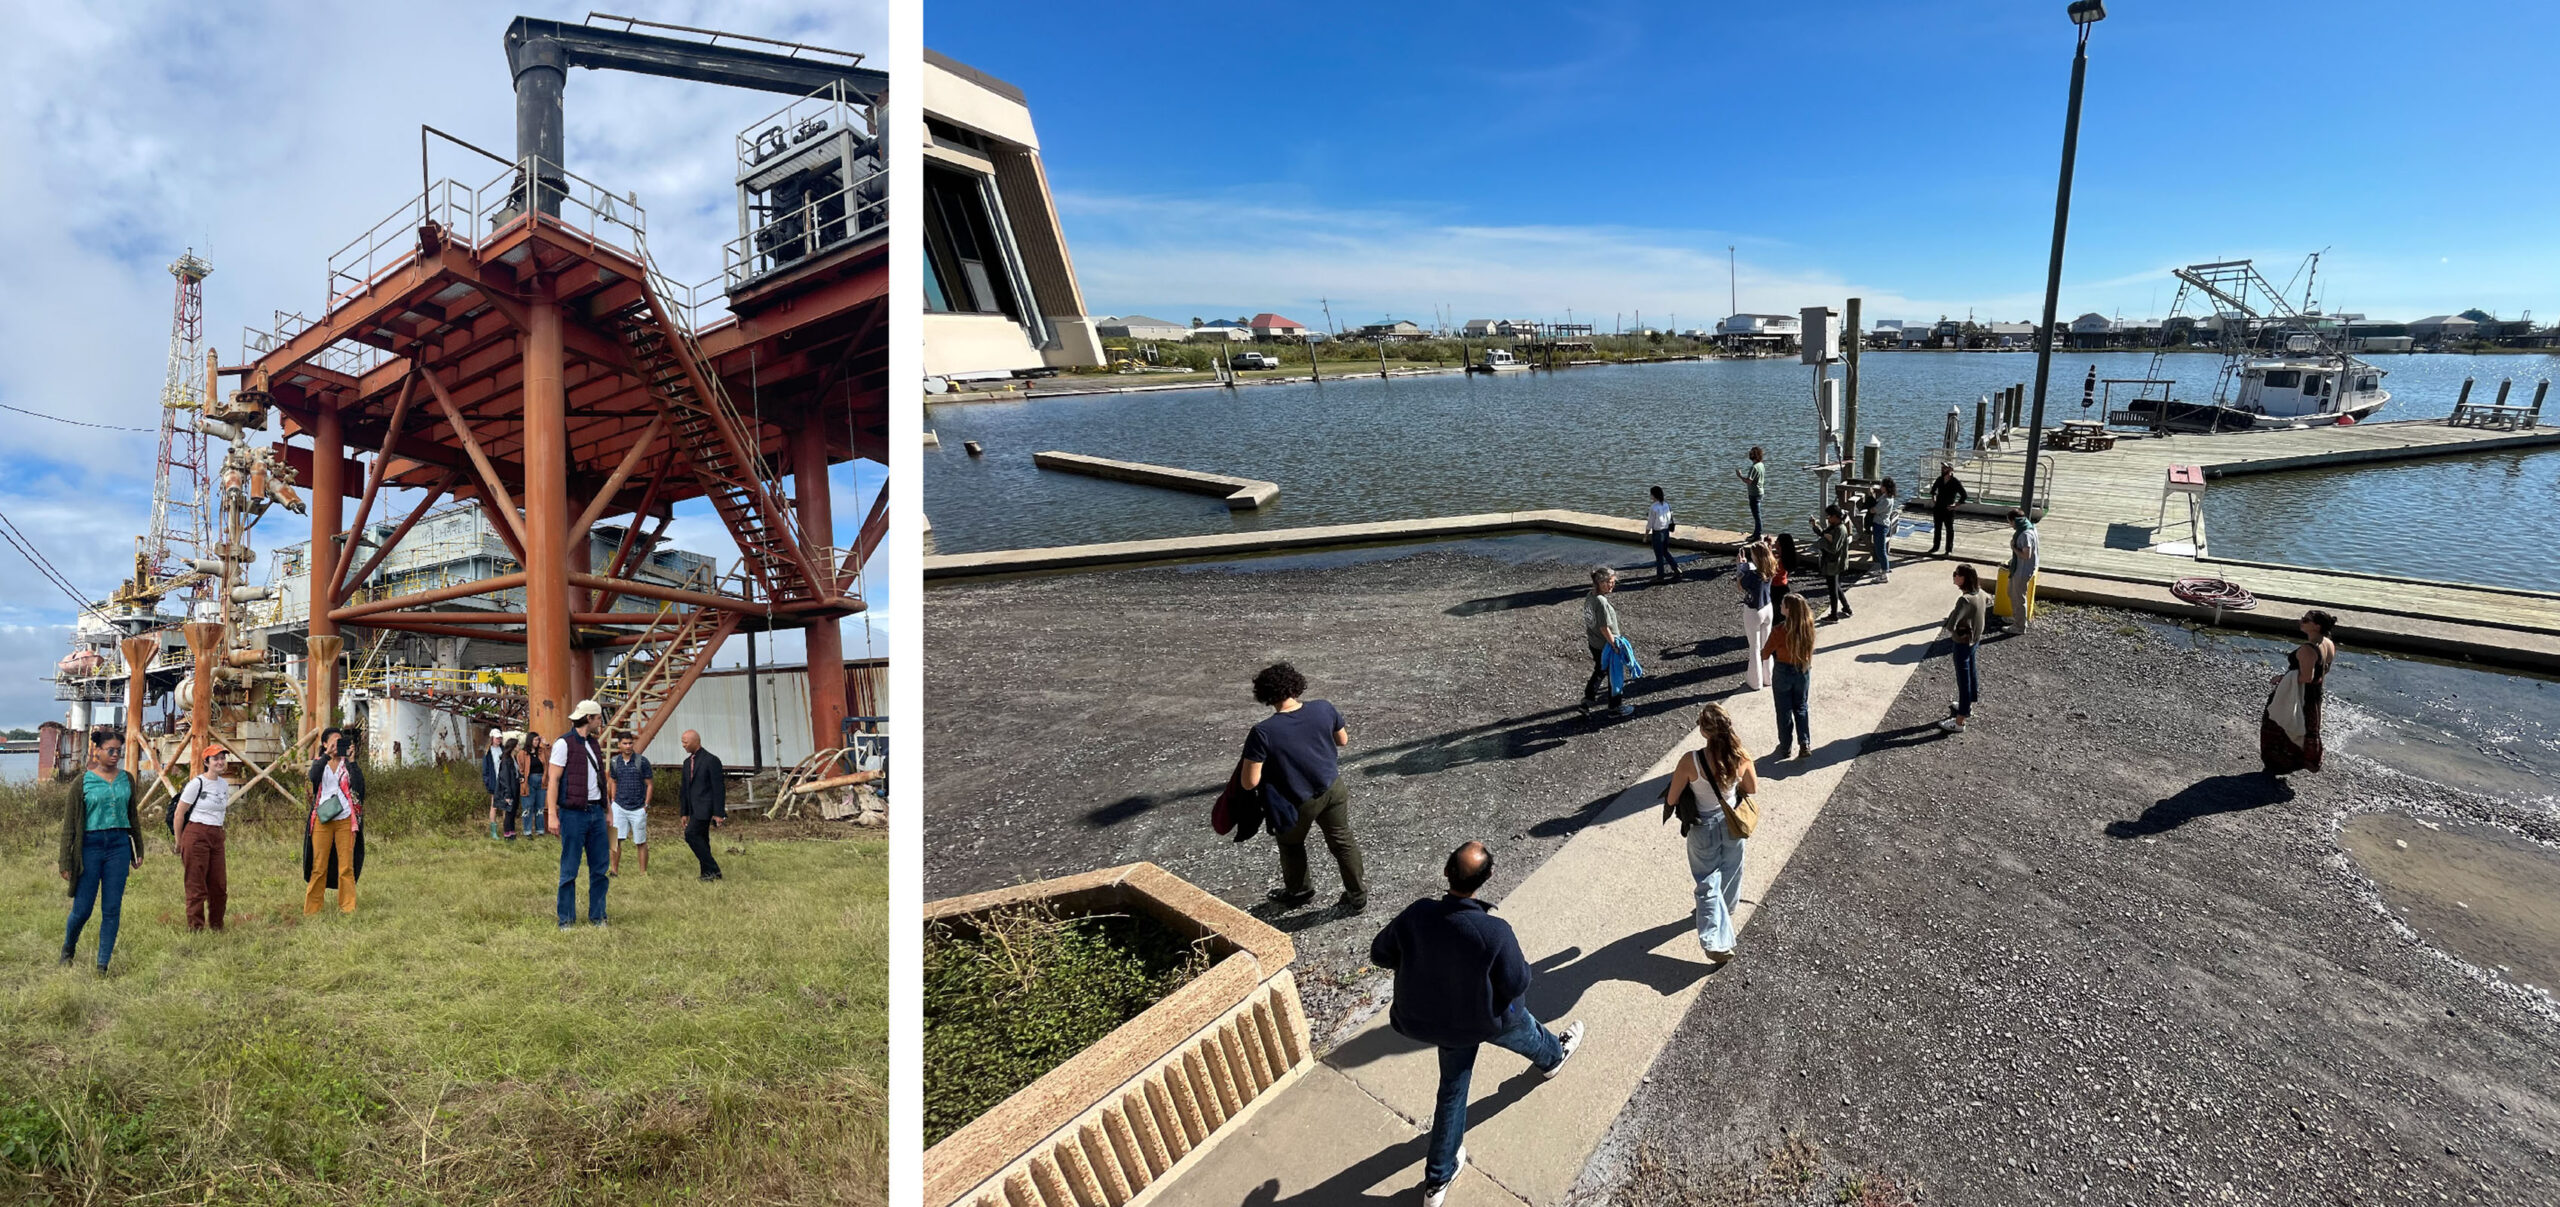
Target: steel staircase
(642, 692)
(723, 452)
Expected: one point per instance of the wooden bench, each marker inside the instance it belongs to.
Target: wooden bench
(2490, 414)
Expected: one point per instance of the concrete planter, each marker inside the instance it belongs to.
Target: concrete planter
(1126, 1115)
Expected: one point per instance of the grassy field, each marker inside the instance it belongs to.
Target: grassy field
(718, 1043)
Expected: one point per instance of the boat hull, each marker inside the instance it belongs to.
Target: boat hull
(2207, 418)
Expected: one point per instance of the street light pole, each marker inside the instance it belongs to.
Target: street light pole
(2084, 13)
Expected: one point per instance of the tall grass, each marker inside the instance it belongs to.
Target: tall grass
(720, 1042)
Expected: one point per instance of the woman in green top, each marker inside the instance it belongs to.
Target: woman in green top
(100, 844)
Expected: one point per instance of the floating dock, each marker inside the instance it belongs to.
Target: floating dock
(1241, 494)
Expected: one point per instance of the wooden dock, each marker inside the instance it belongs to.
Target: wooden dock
(2104, 520)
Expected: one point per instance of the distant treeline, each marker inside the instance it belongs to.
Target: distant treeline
(1351, 352)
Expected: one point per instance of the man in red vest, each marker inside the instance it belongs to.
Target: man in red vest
(577, 813)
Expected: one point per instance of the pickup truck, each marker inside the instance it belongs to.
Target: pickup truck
(1255, 360)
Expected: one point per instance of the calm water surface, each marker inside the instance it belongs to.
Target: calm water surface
(1357, 449)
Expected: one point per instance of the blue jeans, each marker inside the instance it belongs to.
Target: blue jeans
(1521, 1033)
(1662, 553)
(584, 832)
(1715, 862)
(1755, 515)
(106, 856)
(530, 809)
(1968, 679)
(1884, 556)
(1795, 722)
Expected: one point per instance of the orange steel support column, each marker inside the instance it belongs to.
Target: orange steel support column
(582, 662)
(328, 502)
(546, 522)
(204, 644)
(824, 636)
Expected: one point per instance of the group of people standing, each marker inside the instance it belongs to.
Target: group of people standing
(595, 803)
(591, 802)
(102, 837)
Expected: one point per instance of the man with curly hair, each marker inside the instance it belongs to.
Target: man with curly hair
(1293, 758)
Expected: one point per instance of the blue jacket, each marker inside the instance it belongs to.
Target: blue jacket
(493, 770)
(1458, 971)
(1620, 658)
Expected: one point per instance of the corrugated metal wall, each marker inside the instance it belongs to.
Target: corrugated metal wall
(716, 708)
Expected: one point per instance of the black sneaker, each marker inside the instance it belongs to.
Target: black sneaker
(1292, 899)
(1351, 905)
(66, 958)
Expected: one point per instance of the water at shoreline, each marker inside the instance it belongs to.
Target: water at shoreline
(1361, 449)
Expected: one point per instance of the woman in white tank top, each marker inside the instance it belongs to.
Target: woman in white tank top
(1704, 784)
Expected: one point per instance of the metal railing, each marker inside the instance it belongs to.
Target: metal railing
(1993, 478)
(821, 223)
(775, 137)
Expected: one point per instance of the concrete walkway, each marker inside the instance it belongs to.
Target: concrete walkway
(1607, 922)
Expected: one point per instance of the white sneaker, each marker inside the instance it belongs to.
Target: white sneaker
(1571, 1039)
(1434, 1196)
(1952, 725)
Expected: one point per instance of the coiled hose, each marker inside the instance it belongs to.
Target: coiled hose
(2220, 594)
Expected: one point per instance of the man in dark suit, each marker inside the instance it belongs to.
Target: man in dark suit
(703, 793)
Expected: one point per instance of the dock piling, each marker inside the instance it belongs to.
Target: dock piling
(1981, 420)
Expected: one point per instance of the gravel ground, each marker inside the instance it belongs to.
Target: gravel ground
(1082, 721)
(2087, 954)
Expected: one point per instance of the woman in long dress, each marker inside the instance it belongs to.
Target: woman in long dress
(2289, 730)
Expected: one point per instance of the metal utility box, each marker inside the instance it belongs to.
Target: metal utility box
(1821, 335)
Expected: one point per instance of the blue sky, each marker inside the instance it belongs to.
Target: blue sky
(1529, 158)
(266, 135)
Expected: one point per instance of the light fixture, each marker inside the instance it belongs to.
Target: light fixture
(2088, 12)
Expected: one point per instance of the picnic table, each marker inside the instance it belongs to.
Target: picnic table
(2081, 436)
(2491, 414)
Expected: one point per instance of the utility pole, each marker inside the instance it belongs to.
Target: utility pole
(1328, 315)
(2083, 13)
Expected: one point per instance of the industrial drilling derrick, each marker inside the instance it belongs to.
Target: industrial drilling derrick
(180, 483)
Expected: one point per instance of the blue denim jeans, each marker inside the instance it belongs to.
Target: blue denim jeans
(1521, 1033)
(530, 820)
(1662, 560)
(1715, 863)
(1878, 534)
(1968, 678)
(584, 832)
(1755, 515)
(1795, 722)
(106, 856)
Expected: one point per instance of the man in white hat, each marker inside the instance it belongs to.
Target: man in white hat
(576, 797)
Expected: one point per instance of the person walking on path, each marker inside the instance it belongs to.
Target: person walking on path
(196, 820)
(2022, 569)
(331, 855)
(2289, 729)
(576, 808)
(1461, 982)
(1293, 757)
(1963, 630)
(1704, 784)
(1944, 495)
(1755, 478)
(1600, 630)
(493, 779)
(633, 790)
(1758, 568)
(1657, 529)
(1833, 555)
(1882, 513)
(1791, 644)
(702, 791)
(101, 845)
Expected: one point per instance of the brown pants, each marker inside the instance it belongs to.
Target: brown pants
(1330, 811)
(340, 835)
(208, 884)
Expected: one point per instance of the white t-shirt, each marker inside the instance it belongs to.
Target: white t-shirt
(595, 774)
(206, 800)
(336, 800)
(1658, 518)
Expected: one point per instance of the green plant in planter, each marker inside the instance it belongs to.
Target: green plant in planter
(1017, 992)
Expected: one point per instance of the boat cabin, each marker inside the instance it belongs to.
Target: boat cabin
(2288, 389)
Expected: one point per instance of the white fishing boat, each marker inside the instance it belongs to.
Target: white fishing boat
(2288, 367)
(1498, 360)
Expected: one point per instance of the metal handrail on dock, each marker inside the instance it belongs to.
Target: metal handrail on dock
(1993, 478)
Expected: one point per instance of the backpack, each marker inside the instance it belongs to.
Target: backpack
(187, 797)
